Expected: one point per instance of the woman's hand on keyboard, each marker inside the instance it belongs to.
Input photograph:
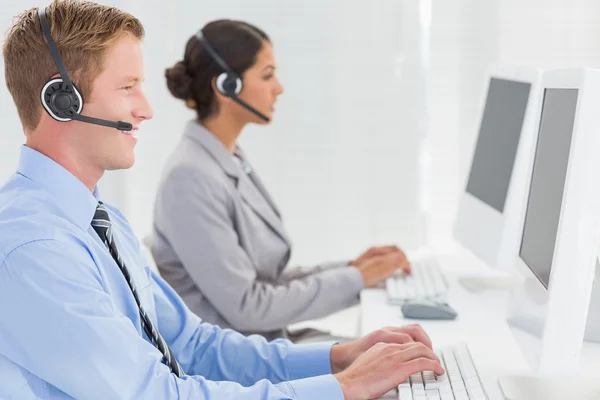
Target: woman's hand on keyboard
(377, 269)
(380, 251)
(383, 367)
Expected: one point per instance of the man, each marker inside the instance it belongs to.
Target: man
(81, 315)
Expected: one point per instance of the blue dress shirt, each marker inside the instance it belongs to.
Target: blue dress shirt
(70, 328)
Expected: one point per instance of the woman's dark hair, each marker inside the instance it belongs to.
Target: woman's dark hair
(236, 42)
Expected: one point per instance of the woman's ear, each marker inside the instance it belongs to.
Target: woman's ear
(213, 85)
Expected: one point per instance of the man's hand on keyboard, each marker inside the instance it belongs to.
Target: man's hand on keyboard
(383, 367)
(377, 269)
(343, 355)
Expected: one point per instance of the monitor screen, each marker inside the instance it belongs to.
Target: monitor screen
(498, 141)
(548, 181)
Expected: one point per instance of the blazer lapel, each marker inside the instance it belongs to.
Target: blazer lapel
(251, 190)
(252, 195)
(259, 185)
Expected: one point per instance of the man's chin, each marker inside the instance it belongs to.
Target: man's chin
(116, 165)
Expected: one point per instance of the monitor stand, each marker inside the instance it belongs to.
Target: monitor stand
(520, 387)
(535, 326)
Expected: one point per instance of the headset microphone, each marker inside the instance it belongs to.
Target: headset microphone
(228, 83)
(60, 98)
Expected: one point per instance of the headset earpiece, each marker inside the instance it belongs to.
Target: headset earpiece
(61, 102)
(229, 84)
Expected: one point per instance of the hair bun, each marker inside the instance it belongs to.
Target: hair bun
(179, 81)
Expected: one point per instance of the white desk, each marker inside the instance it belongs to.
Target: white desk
(490, 341)
(481, 325)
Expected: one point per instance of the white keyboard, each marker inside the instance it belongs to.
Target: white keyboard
(460, 382)
(426, 281)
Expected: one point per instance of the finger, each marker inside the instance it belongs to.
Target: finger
(377, 251)
(418, 350)
(399, 257)
(390, 249)
(394, 259)
(391, 269)
(393, 336)
(406, 267)
(419, 365)
(417, 333)
(380, 261)
(399, 251)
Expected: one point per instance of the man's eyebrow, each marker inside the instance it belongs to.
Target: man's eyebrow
(134, 79)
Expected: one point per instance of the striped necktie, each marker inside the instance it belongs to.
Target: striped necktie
(103, 227)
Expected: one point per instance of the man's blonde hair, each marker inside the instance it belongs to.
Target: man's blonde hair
(83, 32)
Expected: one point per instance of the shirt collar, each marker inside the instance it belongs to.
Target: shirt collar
(213, 146)
(71, 195)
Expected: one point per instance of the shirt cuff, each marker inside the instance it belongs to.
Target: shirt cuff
(318, 387)
(309, 359)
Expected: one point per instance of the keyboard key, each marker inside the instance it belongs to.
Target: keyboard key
(472, 383)
(476, 392)
(445, 388)
(428, 375)
(416, 379)
(432, 395)
(426, 281)
(479, 397)
(438, 283)
(446, 394)
(405, 393)
(420, 390)
(430, 380)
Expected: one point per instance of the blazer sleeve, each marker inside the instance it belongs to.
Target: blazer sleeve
(200, 229)
(299, 272)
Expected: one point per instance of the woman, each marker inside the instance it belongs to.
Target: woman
(218, 238)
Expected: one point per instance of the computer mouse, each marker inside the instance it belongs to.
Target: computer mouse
(427, 309)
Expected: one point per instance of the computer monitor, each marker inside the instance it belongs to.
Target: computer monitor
(509, 115)
(557, 227)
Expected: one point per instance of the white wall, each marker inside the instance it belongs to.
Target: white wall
(468, 35)
(342, 156)
(339, 157)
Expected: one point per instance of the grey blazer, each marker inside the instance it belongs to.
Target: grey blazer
(219, 241)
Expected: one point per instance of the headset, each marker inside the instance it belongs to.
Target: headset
(229, 83)
(60, 98)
